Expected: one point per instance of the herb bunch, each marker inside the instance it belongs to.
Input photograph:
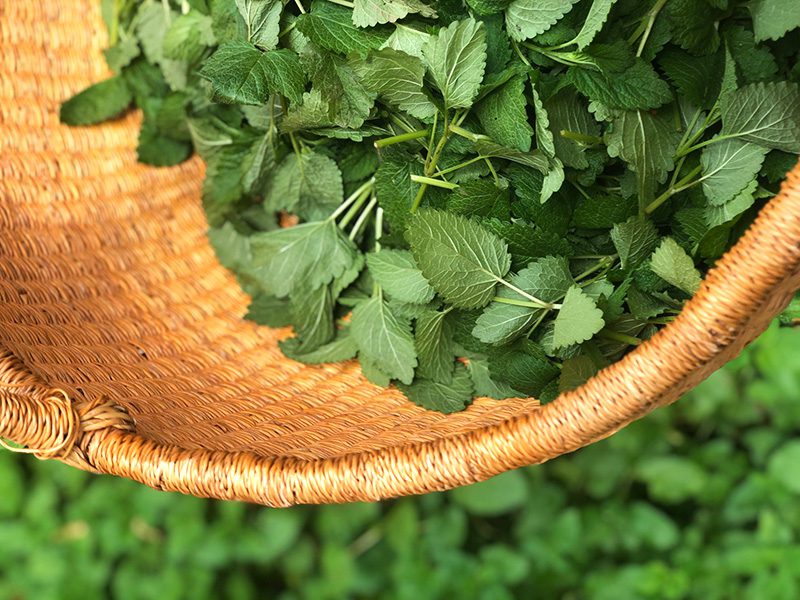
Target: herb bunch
(492, 197)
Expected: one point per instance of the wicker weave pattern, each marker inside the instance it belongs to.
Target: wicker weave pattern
(110, 292)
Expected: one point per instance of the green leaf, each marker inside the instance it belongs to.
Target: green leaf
(647, 142)
(397, 78)
(394, 188)
(488, 7)
(340, 349)
(231, 247)
(528, 18)
(397, 273)
(575, 372)
(456, 59)
(567, 112)
(480, 198)
(312, 254)
(121, 54)
(97, 103)
(240, 73)
(524, 367)
(349, 101)
(331, 26)
(728, 168)
(484, 385)
(635, 240)
(263, 21)
(547, 279)
(188, 37)
(312, 317)
(724, 213)
(368, 13)
(504, 116)
(578, 320)
(384, 339)
(269, 310)
(408, 40)
(697, 78)
(765, 114)
(772, 19)
(534, 159)
(433, 339)
(694, 25)
(597, 17)
(446, 398)
(310, 186)
(673, 265)
(639, 87)
(462, 261)
(160, 150)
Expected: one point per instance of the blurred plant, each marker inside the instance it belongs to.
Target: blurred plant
(696, 501)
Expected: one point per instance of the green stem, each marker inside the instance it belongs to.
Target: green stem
(434, 182)
(701, 145)
(460, 166)
(399, 139)
(513, 302)
(460, 131)
(616, 336)
(430, 166)
(603, 263)
(651, 19)
(581, 138)
(683, 185)
(300, 7)
(378, 228)
(362, 218)
(533, 299)
(350, 215)
(365, 187)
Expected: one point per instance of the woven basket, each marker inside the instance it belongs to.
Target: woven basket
(124, 350)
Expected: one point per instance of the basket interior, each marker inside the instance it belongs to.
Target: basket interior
(109, 288)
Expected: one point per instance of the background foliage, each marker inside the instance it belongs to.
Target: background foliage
(698, 500)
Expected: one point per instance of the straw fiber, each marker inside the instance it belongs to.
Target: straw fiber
(124, 351)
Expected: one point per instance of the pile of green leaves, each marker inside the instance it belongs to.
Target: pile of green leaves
(495, 198)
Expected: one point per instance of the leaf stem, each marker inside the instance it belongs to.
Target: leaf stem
(701, 145)
(616, 336)
(366, 186)
(300, 7)
(683, 185)
(430, 166)
(363, 217)
(537, 303)
(651, 19)
(350, 215)
(581, 138)
(434, 182)
(399, 139)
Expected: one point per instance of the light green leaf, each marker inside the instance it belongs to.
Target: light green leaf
(635, 240)
(597, 17)
(725, 213)
(534, 159)
(504, 116)
(456, 58)
(484, 385)
(263, 21)
(312, 253)
(188, 37)
(728, 167)
(407, 39)
(528, 18)
(547, 279)
(578, 320)
(647, 142)
(767, 114)
(544, 137)
(435, 347)
(368, 13)
(384, 339)
(331, 26)
(772, 19)
(446, 398)
(462, 261)
(397, 273)
(232, 248)
(575, 372)
(397, 77)
(673, 265)
(241, 74)
(310, 186)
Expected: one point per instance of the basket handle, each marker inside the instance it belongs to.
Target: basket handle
(46, 421)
